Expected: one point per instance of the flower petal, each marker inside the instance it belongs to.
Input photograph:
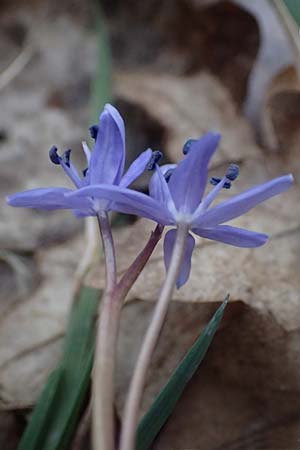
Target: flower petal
(187, 184)
(242, 203)
(136, 168)
(127, 201)
(48, 199)
(158, 186)
(233, 236)
(108, 157)
(185, 268)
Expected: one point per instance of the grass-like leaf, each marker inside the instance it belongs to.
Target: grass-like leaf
(294, 9)
(102, 82)
(165, 402)
(56, 414)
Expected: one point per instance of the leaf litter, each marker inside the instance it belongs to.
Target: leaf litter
(246, 393)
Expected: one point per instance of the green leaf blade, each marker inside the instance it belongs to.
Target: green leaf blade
(55, 416)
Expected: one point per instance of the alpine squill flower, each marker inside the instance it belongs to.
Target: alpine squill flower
(105, 165)
(177, 197)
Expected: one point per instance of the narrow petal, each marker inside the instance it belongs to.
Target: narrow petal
(242, 203)
(185, 269)
(159, 190)
(108, 157)
(127, 201)
(158, 187)
(187, 184)
(233, 236)
(136, 168)
(47, 198)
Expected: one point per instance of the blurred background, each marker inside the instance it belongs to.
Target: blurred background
(175, 70)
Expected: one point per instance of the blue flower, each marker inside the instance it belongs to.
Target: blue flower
(176, 196)
(105, 165)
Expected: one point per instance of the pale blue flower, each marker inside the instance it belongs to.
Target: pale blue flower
(180, 200)
(105, 165)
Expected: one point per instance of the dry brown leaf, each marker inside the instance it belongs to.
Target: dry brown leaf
(36, 279)
(281, 112)
(187, 107)
(186, 38)
(31, 331)
(245, 394)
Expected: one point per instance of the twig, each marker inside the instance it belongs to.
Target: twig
(16, 66)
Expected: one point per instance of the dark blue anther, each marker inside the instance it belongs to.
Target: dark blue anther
(94, 131)
(227, 185)
(168, 174)
(155, 158)
(54, 157)
(187, 146)
(232, 172)
(216, 180)
(84, 172)
(66, 157)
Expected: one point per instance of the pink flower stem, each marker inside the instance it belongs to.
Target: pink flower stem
(133, 402)
(108, 328)
(104, 363)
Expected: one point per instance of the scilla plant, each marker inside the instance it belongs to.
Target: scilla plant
(176, 199)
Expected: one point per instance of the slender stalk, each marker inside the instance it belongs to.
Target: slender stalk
(103, 386)
(109, 251)
(104, 366)
(138, 380)
(139, 263)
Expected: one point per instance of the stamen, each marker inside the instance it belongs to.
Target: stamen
(66, 157)
(187, 146)
(84, 172)
(155, 158)
(54, 157)
(65, 163)
(216, 180)
(94, 131)
(232, 172)
(168, 174)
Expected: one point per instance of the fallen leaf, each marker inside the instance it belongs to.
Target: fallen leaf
(187, 107)
(31, 331)
(281, 112)
(221, 37)
(245, 393)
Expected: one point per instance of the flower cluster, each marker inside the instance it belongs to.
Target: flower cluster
(176, 192)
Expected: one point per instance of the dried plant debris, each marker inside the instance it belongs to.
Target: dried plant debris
(220, 37)
(281, 113)
(29, 354)
(188, 107)
(242, 395)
